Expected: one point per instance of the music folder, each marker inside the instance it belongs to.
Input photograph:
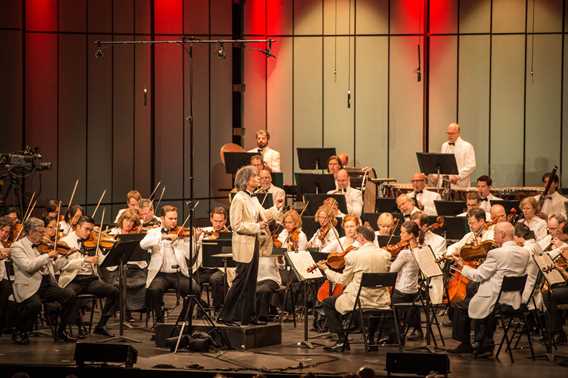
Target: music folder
(301, 262)
(314, 158)
(236, 160)
(436, 162)
(314, 183)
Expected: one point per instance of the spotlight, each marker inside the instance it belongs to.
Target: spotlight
(99, 52)
(221, 51)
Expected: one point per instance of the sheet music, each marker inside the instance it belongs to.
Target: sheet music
(552, 276)
(427, 261)
(300, 262)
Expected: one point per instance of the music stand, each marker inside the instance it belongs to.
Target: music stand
(371, 218)
(508, 205)
(438, 163)
(314, 183)
(449, 208)
(384, 240)
(316, 200)
(121, 253)
(456, 227)
(387, 205)
(266, 199)
(236, 160)
(314, 158)
(277, 179)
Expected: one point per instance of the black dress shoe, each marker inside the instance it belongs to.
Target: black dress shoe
(462, 348)
(484, 352)
(63, 336)
(256, 322)
(101, 330)
(337, 348)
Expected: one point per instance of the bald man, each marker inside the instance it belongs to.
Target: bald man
(353, 197)
(465, 156)
(509, 260)
(424, 198)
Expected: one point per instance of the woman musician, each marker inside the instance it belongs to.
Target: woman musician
(325, 216)
(350, 224)
(292, 237)
(70, 220)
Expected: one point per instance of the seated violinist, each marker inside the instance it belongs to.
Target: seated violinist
(350, 224)
(70, 220)
(333, 205)
(529, 207)
(292, 237)
(79, 272)
(256, 161)
(214, 276)
(147, 215)
(5, 289)
(34, 284)
(367, 259)
(325, 234)
(406, 287)
(269, 281)
(353, 197)
(507, 260)
(52, 209)
(385, 225)
(12, 215)
(133, 199)
(168, 268)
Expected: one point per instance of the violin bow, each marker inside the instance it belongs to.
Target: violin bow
(73, 194)
(160, 199)
(100, 231)
(393, 230)
(155, 190)
(57, 227)
(25, 215)
(99, 203)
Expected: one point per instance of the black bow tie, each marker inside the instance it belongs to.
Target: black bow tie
(484, 199)
(35, 245)
(452, 143)
(418, 192)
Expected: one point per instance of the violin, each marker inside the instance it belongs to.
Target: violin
(394, 249)
(106, 241)
(48, 246)
(178, 232)
(335, 261)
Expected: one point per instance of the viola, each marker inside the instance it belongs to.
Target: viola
(335, 261)
(48, 246)
(394, 249)
(106, 241)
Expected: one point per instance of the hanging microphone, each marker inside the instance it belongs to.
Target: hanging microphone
(99, 52)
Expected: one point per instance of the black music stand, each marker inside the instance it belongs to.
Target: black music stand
(236, 160)
(370, 218)
(314, 158)
(314, 183)
(456, 227)
(386, 205)
(126, 249)
(316, 200)
(438, 163)
(385, 240)
(266, 199)
(449, 208)
(277, 179)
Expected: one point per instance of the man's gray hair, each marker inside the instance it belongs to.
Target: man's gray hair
(32, 224)
(559, 218)
(366, 233)
(243, 175)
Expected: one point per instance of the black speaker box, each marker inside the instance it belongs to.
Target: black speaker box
(94, 353)
(417, 363)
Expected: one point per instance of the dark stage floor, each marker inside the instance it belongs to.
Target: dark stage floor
(286, 358)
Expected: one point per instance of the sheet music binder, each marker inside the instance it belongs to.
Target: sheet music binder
(300, 262)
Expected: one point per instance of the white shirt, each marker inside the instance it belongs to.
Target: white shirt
(64, 227)
(436, 242)
(426, 198)
(553, 204)
(485, 204)
(302, 241)
(538, 226)
(315, 241)
(3, 273)
(276, 192)
(73, 241)
(269, 269)
(467, 239)
(335, 247)
(169, 257)
(353, 198)
(465, 159)
(412, 212)
(270, 157)
(408, 272)
(532, 274)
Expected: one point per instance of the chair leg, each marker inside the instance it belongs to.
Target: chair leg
(505, 334)
(529, 337)
(363, 332)
(93, 307)
(437, 323)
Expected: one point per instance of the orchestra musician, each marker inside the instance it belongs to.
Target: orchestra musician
(35, 283)
(406, 287)
(147, 215)
(12, 215)
(353, 197)
(52, 209)
(251, 238)
(507, 260)
(333, 205)
(324, 235)
(266, 185)
(79, 273)
(257, 162)
(472, 202)
(465, 156)
(292, 237)
(529, 207)
(334, 165)
(70, 220)
(269, 156)
(269, 281)
(5, 287)
(368, 258)
(554, 202)
(385, 224)
(406, 206)
(168, 268)
(484, 183)
(478, 232)
(214, 276)
(133, 199)
(343, 159)
(524, 237)
(350, 224)
(424, 198)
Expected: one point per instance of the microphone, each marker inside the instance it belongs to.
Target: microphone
(419, 69)
(267, 52)
(349, 98)
(99, 52)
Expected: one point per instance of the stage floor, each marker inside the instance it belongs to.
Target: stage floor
(286, 358)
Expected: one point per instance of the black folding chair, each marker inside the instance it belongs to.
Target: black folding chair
(506, 312)
(373, 281)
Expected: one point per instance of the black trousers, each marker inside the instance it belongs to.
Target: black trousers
(411, 316)
(5, 292)
(461, 323)
(216, 279)
(334, 318)
(264, 291)
(240, 302)
(163, 282)
(48, 291)
(557, 296)
(92, 285)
